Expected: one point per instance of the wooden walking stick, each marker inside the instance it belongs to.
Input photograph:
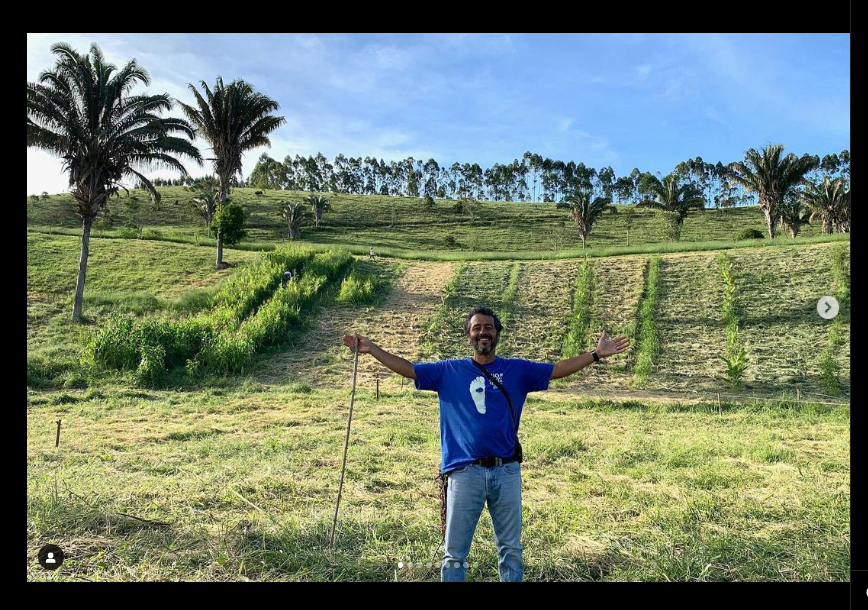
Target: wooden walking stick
(346, 443)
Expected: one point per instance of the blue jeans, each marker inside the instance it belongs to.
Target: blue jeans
(469, 489)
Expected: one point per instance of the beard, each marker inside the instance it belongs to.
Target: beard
(483, 348)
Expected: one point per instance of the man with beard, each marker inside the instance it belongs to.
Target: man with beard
(481, 400)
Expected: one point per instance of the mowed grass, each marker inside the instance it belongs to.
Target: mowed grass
(123, 267)
(777, 292)
(542, 309)
(783, 333)
(238, 480)
(691, 332)
(402, 223)
(240, 483)
(481, 284)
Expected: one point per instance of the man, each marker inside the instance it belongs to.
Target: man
(480, 452)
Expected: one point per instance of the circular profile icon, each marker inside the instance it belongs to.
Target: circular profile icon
(50, 556)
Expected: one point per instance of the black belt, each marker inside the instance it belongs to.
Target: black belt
(492, 462)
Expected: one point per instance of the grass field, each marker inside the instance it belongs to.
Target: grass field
(396, 223)
(240, 483)
(234, 477)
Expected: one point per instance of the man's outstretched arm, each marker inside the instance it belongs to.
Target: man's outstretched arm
(605, 347)
(390, 361)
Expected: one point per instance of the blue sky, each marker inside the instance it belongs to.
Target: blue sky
(624, 100)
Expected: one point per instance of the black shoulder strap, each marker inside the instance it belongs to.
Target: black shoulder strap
(500, 387)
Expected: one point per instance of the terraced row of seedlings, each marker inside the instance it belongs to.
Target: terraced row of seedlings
(698, 322)
(253, 310)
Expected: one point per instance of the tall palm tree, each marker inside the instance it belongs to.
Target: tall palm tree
(320, 204)
(82, 111)
(771, 177)
(829, 202)
(585, 211)
(674, 196)
(232, 119)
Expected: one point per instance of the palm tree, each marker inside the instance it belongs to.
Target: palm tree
(294, 214)
(842, 219)
(673, 196)
(232, 119)
(82, 111)
(771, 177)
(829, 202)
(205, 204)
(205, 198)
(584, 211)
(319, 204)
(794, 213)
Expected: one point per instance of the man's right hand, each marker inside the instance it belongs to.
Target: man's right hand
(390, 361)
(364, 344)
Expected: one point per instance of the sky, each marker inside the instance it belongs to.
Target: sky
(619, 100)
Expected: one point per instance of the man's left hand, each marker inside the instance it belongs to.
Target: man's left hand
(609, 347)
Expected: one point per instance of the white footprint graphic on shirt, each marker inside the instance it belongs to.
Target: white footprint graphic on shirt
(477, 391)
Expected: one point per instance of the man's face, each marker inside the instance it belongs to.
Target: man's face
(483, 335)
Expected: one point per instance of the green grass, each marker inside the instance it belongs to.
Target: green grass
(367, 284)
(442, 317)
(138, 278)
(777, 288)
(649, 344)
(245, 479)
(475, 255)
(252, 311)
(244, 470)
(735, 357)
(782, 332)
(402, 227)
(508, 306)
(577, 337)
(839, 331)
(482, 284)
(541, 310)
(164, 270)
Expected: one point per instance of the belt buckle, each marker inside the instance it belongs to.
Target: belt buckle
(498, 461)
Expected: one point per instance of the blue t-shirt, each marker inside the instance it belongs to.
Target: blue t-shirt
(475, 420)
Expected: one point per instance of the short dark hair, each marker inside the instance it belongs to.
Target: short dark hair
(485, 311)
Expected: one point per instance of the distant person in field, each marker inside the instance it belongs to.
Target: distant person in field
(372, 252)
(481, 400)
(287, 277)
